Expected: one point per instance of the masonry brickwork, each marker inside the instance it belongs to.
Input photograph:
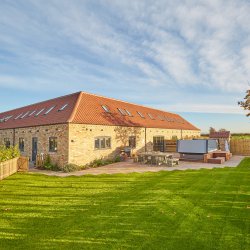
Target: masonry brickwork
(82, 138)
(42, 133)
(76, 142)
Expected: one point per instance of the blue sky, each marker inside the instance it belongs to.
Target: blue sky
(189, 57)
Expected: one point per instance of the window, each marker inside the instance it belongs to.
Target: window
(24, 115)
(5, 119)
(21, 144)
(97, 143)
(102, 142)
(128, 112)
(34, 111)
(49, 110)
(18, 116)
(106, 108)
(150, 116)
(39, 112)
(53, 144)
(122, 111)
(132, 141)
(158, 143)
(160, 117)
(63, 107)
(140, 114)
(7, 142)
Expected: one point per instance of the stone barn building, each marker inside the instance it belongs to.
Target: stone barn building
(81, 127)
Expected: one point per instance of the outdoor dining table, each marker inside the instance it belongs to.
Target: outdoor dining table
(154, 158)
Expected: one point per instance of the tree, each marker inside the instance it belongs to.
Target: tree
(246, 103)
(222, 130)
(212, 130)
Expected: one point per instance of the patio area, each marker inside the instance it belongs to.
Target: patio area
(131, 167)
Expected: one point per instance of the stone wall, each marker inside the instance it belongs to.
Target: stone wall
(82, 138)
(42, 133)
(75, 142)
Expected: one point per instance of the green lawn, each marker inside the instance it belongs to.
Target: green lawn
(241, 137)
(201, 209)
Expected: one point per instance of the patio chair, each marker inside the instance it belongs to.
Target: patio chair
(140, 158)
(136, 158)
(154, 160)
(172, 162)
(147, 159)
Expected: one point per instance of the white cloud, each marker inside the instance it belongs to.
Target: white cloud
(157, 46)
(202, 108)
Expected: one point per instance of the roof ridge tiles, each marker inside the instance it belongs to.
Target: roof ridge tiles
(79, 98)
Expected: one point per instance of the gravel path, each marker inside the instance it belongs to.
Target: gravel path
(130, 167)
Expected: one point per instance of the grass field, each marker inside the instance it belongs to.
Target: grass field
(241, 136)
(201, 209)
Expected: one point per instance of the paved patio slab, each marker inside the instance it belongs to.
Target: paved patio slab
(130, 167)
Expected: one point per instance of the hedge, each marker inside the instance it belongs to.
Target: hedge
(8, 153)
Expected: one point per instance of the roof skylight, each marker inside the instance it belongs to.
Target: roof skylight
(24, 115)
(51, 108)
(8, 117)
(32, 113)
(19, 116)
(150, 116)
(123, 112)
(5, 119)
(141, 115)
(128, 112)
(39, 112)
(106, 108)
(161, 118)
(63, 107)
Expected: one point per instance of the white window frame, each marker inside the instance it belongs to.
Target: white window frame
(63, 107)
(106, 145)
(106, 109)
(50, 109)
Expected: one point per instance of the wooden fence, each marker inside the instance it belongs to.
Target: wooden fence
(240, 147)
(10, 167)
(40, 160)
(23, 164)
(170, 145)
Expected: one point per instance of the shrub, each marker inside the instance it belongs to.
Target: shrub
(48, 165)
(117, 158)
(70, 168)
(8, 153)
(103, 162)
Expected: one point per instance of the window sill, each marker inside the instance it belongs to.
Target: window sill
(97, 149)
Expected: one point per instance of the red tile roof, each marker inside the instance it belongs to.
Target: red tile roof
(85, 108)
(222, 134)
(53, 117)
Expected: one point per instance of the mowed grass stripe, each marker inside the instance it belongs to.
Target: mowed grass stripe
(195, 209)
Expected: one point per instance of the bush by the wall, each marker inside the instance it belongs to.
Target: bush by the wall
(103, 162)
(8, 153)
(48, 165)
(71, 168)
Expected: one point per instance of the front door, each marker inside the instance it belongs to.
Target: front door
(34, 148)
